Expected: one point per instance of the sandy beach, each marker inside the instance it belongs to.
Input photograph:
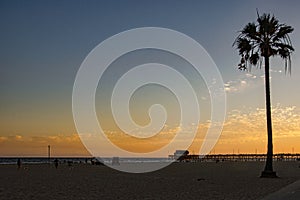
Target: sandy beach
(225, 180)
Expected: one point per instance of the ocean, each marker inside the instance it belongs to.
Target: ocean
(45, 160)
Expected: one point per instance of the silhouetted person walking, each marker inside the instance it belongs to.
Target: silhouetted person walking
(56, 163)
(19, 163)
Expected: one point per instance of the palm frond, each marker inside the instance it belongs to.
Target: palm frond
(254, 58)
(282, 32)
(263, 39)
(244, 46)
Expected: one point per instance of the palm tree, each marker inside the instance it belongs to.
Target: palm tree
(257, 42)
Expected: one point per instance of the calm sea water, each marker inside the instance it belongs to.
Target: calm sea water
(43, 160)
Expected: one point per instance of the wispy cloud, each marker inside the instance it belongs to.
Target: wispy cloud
(246, 130)
(242, 83)
(249, 80)
(23, 145)
(253, 122)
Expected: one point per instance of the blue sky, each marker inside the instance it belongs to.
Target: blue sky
(43, 43)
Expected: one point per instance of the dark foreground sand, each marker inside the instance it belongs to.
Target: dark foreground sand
(227, 180)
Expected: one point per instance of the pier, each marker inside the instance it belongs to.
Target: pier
(238, 157)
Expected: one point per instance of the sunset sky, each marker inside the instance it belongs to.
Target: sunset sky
(43, 43)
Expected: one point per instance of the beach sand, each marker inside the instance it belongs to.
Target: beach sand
(224, 180)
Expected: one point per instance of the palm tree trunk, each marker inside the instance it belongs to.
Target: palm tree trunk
(268, 171)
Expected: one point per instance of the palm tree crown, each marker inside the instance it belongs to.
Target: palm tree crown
(265, 39)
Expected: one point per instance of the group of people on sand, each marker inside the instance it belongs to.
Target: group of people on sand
(19, 163)
(93, 161)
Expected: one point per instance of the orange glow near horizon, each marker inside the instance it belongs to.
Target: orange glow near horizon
(242, 133)
(72, 146)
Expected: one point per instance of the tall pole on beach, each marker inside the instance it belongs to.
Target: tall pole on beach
(49, 153)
